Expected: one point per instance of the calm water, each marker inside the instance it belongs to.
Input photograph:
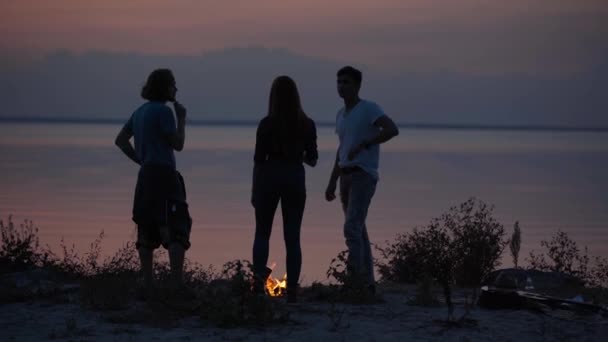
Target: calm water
(73, 183)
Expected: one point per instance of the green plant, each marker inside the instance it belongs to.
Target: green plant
(562, 255)
(478, 240)
(228, 301)
(338, 268)
(599, 273)
(354, 287)
(463, 246)
(20, 247)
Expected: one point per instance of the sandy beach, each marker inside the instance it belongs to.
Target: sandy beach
(61, 317)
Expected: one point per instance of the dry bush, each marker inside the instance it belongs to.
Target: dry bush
(348, 287)
(228, 301)
(20, 247)
(562, 254)
(462, 247)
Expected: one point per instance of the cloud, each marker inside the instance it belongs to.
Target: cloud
(233, 84)
(468, 36)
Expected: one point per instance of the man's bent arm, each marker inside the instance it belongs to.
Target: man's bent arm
(123, 142)
(388, 130)
(177, 140)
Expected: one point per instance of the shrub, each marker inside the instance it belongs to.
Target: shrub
(599, 273)
(462, 246)
(465, 243)
(337, 268)
(563, 255)
(349, 287)
(428, 255)
(479, 240)
(229, 301)
(19, 247)
(110, 283)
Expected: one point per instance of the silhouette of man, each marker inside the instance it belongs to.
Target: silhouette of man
(361, 126)
(159, 207)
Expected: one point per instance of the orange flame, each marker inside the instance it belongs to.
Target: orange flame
(276, 287)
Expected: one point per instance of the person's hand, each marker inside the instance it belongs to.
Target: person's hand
(311, 162)
(330, 192)
(180, 110)
(356, 150)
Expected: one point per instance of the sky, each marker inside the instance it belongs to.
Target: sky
(476, 43)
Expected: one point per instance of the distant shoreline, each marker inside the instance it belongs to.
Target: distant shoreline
(246, 123)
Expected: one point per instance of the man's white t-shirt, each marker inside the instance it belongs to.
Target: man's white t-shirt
(355, 127)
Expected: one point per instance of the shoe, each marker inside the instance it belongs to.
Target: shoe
(372, 289)
(258, 286)
(292, 294)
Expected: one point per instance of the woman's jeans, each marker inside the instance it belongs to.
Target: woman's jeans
(356, 192)
(285, 182)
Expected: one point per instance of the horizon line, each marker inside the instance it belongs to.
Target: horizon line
(244, 123)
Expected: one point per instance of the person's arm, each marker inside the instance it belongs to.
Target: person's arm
(330, 192)
(177, 139)
(123, 141)
(259, 156)
(388, 130)
(311, 153)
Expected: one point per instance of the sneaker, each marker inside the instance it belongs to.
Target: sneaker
(292, 295)
(258, 286)
(372, 289)
(292, 298)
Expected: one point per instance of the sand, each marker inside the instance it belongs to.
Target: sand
(62, 318)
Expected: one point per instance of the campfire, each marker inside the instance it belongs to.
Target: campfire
(275, 287)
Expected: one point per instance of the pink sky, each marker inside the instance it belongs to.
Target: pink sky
(471, 35)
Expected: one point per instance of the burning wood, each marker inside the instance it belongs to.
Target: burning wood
(275, 287)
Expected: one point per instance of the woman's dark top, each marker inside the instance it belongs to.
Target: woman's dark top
(274, 144)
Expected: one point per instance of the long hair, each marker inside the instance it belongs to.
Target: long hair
(157, 85)
(286, 114)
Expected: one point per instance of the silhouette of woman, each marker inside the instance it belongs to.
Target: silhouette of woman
(285, 139)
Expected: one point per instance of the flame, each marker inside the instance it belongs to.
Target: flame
(276, 287)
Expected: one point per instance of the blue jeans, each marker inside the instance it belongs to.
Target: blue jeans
(356, 192)
(284, 182)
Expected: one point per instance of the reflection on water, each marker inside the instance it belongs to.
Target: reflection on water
(73, 182)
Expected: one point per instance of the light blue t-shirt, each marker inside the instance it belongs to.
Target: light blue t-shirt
(152, 124)
(353, 128)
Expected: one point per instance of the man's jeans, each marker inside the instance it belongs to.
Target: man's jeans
(356, 192)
